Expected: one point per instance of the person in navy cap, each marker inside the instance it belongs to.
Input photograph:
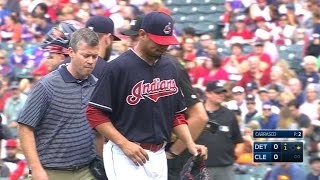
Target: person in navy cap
(196, 115)
(221, 145)
(138, 103)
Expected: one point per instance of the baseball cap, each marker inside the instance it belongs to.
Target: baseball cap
(263, 90)
(267, 105)
(237, 89)
(251, 86)
(14, 85)
(258, 42)
(159, 27)
(11, 143)
(250, 97)
(102, 24)
(215, 86)
(135, 25)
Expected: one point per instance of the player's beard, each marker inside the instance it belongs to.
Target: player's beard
(107, 53)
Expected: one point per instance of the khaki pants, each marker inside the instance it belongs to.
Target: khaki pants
(81, 174)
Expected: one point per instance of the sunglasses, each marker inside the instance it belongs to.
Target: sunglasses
(266, 109)
(251, 103)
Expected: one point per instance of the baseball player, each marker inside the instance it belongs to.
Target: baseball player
(195, 113)
(137, 104)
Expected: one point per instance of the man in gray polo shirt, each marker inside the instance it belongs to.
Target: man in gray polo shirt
(55, 135)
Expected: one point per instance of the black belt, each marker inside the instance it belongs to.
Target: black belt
(73, 168)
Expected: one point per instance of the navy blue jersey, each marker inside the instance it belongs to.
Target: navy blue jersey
(141, 100)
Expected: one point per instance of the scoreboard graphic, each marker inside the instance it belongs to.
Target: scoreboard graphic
(278, 151)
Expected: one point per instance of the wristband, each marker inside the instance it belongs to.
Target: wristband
(173, 155)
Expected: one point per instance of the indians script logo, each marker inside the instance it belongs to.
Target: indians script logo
(167, 29)
(153, 91)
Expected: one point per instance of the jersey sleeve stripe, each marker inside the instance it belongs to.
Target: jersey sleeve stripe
(100, 106)
(181, 110)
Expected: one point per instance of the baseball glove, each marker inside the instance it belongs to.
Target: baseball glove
(97, 168)
(195, 169)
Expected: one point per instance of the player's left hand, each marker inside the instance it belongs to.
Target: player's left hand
(194, 149)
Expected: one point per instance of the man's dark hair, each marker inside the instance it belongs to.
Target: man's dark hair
(294, 103)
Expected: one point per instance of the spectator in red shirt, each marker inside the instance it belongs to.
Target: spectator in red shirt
(232, 63)
(241, 34)
(11, 31)
(215, 71)
(255, 73)
(258, 52)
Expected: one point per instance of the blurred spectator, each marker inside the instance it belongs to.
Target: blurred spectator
(283, 33)
(303, 121)
(316, 22)
(252, 113)
(260, 8)
(240, 34)
(274, 93)
(258, 52)
(295, 87)
(3, 12)
(40, 8)
(188, 32)
(238, 101)
(5, 68)
(286, 170)
(42, 25)
(205, 41)
(220, 158)
(28, 29)
(268, 119)
(157, 5)
(314, 163)
(18, 58)
(276, 77)
(243, 150)
(13, 107)
(285, 97)
(11, 31)
(309, 107)
(233, 63)
(5, 93)
(215, 71)
(314, 46)
(67, 13)
(257, 72)
(310, 73)
(188, 47)
(11, 159)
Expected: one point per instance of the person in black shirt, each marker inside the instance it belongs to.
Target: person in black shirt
(303, 121)
(220, 145)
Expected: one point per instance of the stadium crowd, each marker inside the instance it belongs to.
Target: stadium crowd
(263, 90)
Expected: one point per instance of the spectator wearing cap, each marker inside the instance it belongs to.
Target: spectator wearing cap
(11, 160)
(263, 95)
(314, 163)
(220, 157)
(268, 119)
(309, 107)
(259, 52)
(252, 113)
(240, 34)
(238, 102)
(295, 86)
(310, 73)
(14, 106)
